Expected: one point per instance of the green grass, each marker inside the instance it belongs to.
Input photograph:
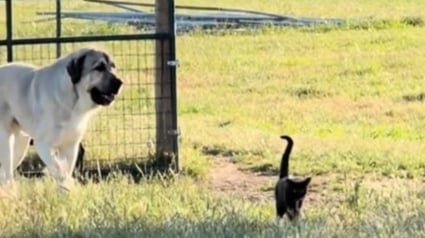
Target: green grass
(351, 97)
(340, 94)
(160, 208)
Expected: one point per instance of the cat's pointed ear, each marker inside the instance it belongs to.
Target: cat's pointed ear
(307, 181)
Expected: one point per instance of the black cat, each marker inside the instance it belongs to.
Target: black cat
(289, 192)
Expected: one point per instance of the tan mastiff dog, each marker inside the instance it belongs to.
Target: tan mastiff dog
(52, 104)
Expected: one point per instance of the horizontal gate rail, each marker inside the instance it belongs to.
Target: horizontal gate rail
(80, 39)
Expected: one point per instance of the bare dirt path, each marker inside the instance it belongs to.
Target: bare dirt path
(227, 177)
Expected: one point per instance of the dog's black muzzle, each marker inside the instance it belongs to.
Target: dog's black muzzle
(106, 95)
(115, 85)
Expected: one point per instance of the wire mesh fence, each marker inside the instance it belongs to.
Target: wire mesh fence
(127, 130)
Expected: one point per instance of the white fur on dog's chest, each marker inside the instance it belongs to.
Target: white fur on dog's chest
(63, 132)
(68, 131)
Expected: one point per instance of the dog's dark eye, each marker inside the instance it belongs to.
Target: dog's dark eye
(100, 67)
(112, 65)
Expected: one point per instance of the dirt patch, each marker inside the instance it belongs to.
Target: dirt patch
(227, 177)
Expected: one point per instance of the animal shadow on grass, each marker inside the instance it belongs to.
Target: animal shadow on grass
(33, 167)
(265, 169)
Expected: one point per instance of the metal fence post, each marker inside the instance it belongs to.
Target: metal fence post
(165, 84)
(9, 31)
(173, 63)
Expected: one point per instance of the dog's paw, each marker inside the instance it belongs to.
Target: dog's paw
(67, 185)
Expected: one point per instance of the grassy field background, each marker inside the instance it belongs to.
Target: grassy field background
(352, 98)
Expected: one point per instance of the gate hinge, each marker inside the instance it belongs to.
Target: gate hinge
(173, 63)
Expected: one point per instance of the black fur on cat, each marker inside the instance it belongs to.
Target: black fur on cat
(289, 192)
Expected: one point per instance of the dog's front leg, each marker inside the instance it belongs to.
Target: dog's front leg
(50, 157)
(69, 155)
(7, 141)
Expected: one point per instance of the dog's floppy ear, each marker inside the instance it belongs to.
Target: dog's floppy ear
(75, 68)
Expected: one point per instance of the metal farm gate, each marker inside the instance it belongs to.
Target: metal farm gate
(142, 125)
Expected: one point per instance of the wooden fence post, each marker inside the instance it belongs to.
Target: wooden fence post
(165, 131)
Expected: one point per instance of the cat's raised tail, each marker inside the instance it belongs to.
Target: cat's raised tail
(284, 163)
